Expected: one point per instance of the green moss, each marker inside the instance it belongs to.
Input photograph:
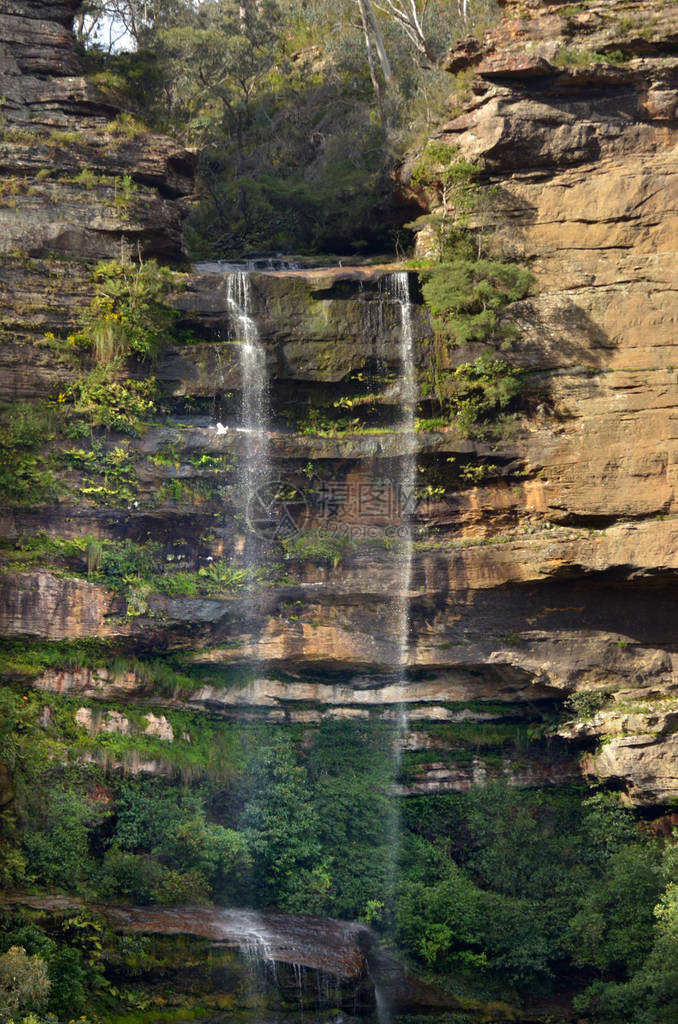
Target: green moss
(318, 546)
(23, 658)
(570, 57)
(194, 493)
(62, 138)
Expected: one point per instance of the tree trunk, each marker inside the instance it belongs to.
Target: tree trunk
(368, 15)
(370, 63)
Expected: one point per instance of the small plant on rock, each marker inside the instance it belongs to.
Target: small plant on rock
(129, 313)
(585, 703)
(105, 401)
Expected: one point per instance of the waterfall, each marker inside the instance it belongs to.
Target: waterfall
(397, 289)
(255, 405)
(408, 462)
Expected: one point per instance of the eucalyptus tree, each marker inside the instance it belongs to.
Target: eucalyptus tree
(108, 22)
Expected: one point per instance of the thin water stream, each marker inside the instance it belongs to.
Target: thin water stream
(408, 461)
(255, 411)
(397, 288)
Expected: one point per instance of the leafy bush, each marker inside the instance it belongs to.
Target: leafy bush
(121, 561)
(476, 396)
(26, 428)
(109, 402)
(56, 835)
(24, 982)
(585, 703)
(452, 184)
(142, 878)
(129, 312)
(109, 475)
(465, 297)
(219, 855)
(482, 390)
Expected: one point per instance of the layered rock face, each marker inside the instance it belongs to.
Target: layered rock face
(573, 116)
(80, 183)
(553, 574)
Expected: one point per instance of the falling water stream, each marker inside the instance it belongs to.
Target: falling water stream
(255, 405)
(408, 461)
(397, 288)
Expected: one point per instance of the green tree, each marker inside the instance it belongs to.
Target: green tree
(282, 829)
(106, 23)
(163, 850)
(217, 57)
(466, 296)
(351, 771)
(613, 929)
(58, 821)
(221, 855)
(438, 911)
(24, 982)
(68, 995)
(628, 938)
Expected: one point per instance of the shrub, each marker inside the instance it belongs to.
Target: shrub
(56, 837)
(26, 429)
(68, 976)
(465, 297)
(24, 982)
(482, 390)
(116, 404)
(314, 546)
(129, 312)
(585, 703)
(131, 876)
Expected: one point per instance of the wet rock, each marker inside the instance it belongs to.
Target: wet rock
(555, 575)
(335, 947)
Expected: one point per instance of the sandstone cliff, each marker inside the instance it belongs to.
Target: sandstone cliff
(573, 116)
(79, 183)
(554, 574)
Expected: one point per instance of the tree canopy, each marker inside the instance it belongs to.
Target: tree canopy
(299, 109)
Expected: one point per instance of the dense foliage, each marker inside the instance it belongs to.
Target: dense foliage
(297, 127)
(468, 295)
(498, 891)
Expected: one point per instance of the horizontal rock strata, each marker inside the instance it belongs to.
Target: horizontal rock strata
(553, 574)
